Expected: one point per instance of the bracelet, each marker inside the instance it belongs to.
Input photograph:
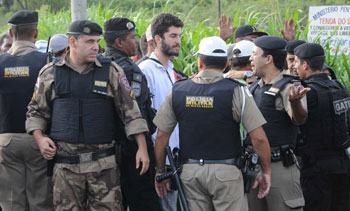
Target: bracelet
(160, 171)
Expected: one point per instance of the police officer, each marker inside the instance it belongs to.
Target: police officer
(80, 96)
(291, 45)
(138, 191)
(282, 102)
(23, 181)
(209, 109)
(325, 174)
(5, 42)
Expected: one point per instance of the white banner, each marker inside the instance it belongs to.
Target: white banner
(324, 21)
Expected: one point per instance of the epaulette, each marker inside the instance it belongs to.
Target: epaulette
(181, 80)
(294, 78)
(236, 81)
(46, 67)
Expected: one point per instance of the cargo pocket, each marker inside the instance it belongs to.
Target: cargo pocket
(187, 173)
(188, 183)
(4, 142)
(295, 203)
(292, 194)
(226, 173)
(229, 181)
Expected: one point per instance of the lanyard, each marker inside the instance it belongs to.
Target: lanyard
(155, 60)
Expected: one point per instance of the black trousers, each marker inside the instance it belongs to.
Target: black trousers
(326, 192)
(138, 192)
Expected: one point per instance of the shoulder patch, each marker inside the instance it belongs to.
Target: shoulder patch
(248, 92)
(341, 106)
(37, 82)
(125, 82)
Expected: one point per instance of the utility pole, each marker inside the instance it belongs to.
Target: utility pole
(219, 8)
(78, 10)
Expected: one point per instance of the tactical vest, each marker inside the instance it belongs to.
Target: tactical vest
(82, 111)
(327, 124)
(140, 89)
(17, 80)
(279, 128)
(206, 125)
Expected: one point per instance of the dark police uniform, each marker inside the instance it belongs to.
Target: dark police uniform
(325, 171)
(138, 190)
(81, 104)
(208, 108)
(23, 181)
(291, 45)
(281, 130)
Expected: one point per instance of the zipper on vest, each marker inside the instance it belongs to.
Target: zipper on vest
(81, 129)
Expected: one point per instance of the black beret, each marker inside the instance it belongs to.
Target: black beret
(246, 30)
(118, 25)
(24, 17)
(309, 50)
(331, 71)
(85, 27)
(270, 43)
(291, 45)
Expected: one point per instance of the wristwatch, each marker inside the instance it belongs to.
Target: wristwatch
(248, 74)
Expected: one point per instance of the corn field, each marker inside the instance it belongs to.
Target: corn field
(269, 19)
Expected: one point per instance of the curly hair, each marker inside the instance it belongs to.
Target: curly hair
(163, 22)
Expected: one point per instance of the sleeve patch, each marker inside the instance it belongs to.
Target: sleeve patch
(125, 82)
(248, 92)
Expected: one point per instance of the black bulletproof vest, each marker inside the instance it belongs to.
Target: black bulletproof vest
(204, 112)
(82, 111)
(279, 128)
(138, 84)
(327, 124)
(17, 80)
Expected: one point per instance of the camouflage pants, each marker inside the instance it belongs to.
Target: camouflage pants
(97, 191)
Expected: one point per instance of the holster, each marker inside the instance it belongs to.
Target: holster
(178, 160)
(287, 156)
(248, 161)
(118, 153)
(49, 167)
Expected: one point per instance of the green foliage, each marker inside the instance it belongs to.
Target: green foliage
(200, 18)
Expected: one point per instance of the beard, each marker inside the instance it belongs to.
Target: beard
(166, 49)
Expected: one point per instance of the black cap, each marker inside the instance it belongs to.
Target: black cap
(246, 30)
(309, 50)
(85, 27)
(271, 43)
(118, 25)
(291, 45)
(331, 71)
(24, 17)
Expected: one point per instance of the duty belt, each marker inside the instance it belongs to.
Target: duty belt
(84, 157)
(276, 155)
(231, 161)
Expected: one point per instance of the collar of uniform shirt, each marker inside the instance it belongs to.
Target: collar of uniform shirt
(209, 73)
(208, 76)
(277, 78)
(22, 47)
(82, 70)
